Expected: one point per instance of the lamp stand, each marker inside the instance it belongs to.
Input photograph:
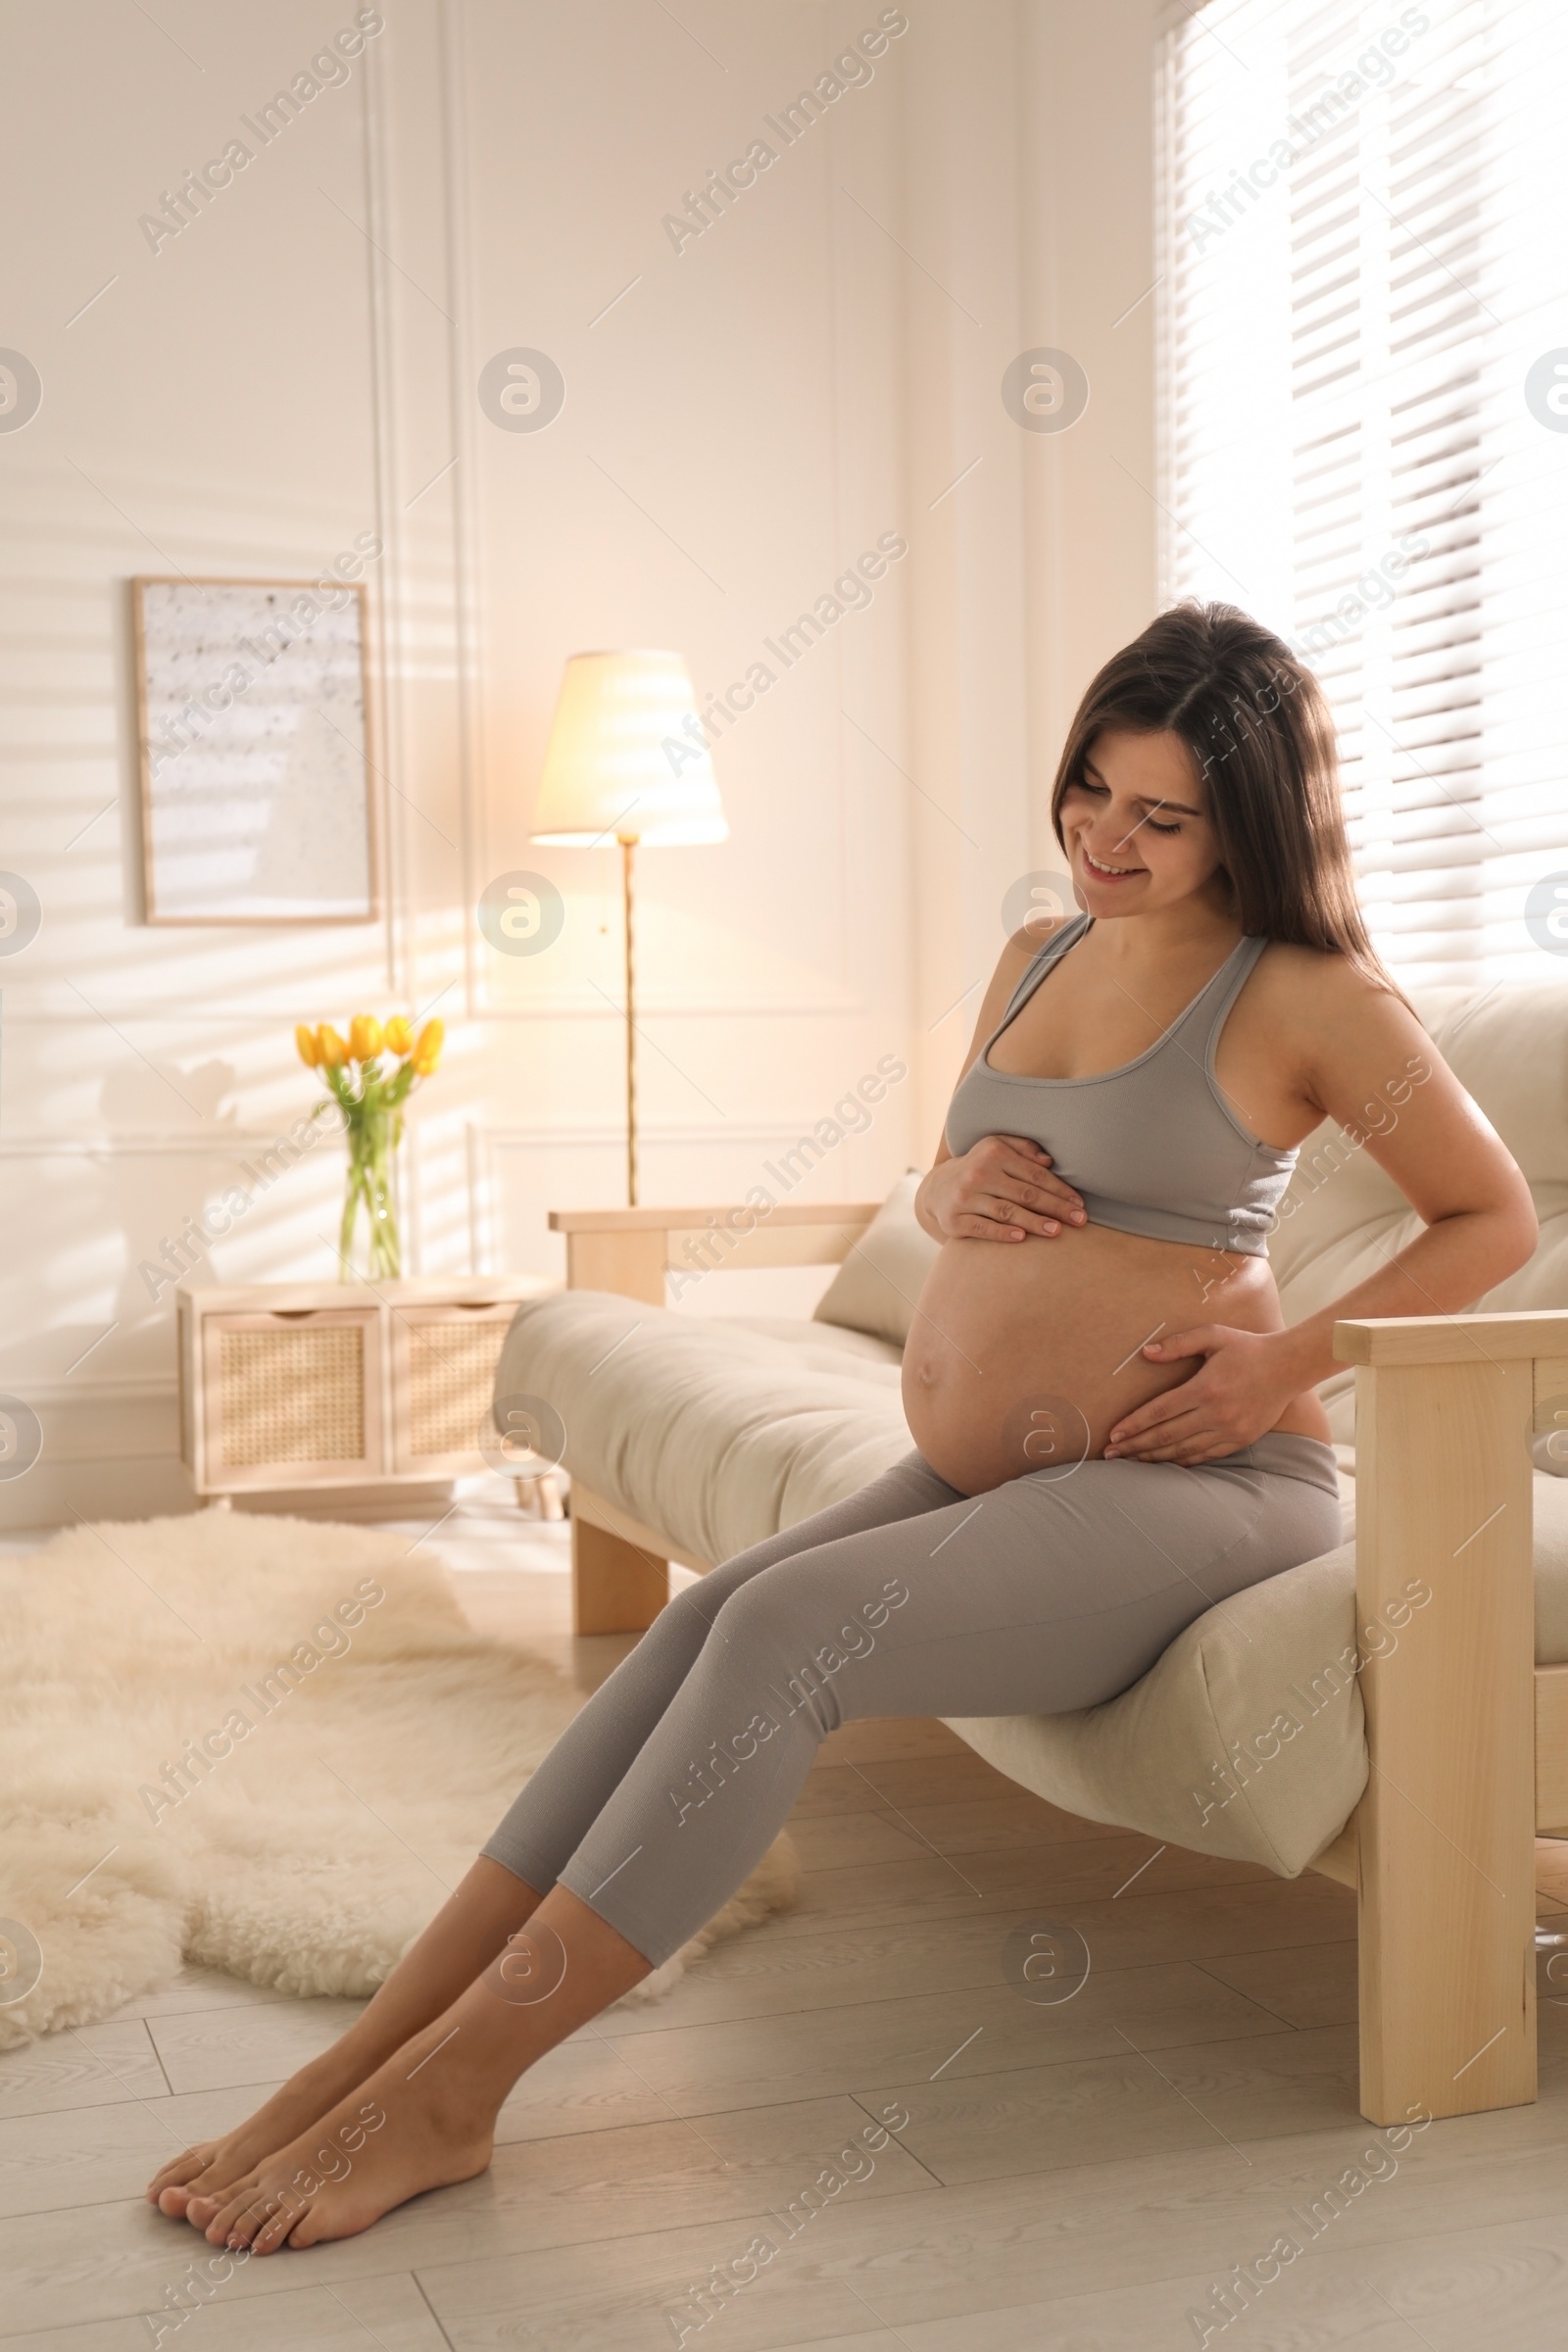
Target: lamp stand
(629, 842)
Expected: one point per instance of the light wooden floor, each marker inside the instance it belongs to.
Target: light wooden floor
(1072, 2178)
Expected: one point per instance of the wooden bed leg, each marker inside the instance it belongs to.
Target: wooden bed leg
(616, 1587)
(1445, 1831)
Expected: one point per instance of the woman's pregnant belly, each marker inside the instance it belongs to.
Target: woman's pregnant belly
(1024, 1355)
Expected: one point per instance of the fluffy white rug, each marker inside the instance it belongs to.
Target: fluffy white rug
(310, 1854)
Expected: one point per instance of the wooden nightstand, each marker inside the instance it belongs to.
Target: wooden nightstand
(286, 1386)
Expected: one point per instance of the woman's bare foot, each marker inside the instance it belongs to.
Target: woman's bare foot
(460, 1942)
(213, 2166)
(410, 2127)
(422, 2112)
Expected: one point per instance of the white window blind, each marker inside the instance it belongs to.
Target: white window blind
(1364, 256)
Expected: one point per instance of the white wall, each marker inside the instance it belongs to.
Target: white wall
(299, 364)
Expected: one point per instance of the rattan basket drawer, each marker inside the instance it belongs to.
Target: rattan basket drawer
(293, 1398)
(443, 1377)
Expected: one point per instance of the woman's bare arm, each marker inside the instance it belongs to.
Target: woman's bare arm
(1479, 1223)
(1443, 1152)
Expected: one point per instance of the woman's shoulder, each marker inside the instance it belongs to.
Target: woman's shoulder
(1018, 954)
(1327, 974)
(1039, 934)
(1317, 991)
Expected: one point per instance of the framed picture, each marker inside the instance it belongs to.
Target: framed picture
(253, 712)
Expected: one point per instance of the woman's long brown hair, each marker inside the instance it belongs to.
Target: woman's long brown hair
(1262, 738)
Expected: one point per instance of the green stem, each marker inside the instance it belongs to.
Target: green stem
(373, 1143)
(345, 1238)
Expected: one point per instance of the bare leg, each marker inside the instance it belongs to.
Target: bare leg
(463, 1937)
(426, 2118)
(559, 1803)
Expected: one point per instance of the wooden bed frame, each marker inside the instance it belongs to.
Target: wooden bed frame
(1467, 1738)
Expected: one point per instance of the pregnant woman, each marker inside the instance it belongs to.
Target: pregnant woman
(1115, 1428)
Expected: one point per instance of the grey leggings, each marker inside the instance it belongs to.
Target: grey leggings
(908, 1598)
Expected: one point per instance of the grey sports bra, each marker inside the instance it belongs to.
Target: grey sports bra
(1153, 1147)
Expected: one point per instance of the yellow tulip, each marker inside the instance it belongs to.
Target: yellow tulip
(310, 1051)
(427, 1052)
(364, 1037)
(399, 1035)
(331, 1052)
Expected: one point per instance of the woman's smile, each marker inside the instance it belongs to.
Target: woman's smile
(1109, 873)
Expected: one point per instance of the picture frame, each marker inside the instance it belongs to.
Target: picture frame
(253, 751)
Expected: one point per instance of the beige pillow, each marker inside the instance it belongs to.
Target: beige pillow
(875, 1289)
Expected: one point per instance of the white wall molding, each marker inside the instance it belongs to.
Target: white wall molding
(386, 602)
(466, 535)
(47, 1394)
(672, 1132)
(193, 1142)
(563, 1003)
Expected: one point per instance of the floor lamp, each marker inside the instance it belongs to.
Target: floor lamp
(626, 762)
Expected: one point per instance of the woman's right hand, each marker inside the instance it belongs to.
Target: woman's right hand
(1002, 1191)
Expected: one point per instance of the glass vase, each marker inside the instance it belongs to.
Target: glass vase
(372, 1139)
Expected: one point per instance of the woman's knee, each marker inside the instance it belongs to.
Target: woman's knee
(674, 1642)
(802, 1625)
(730, 1634)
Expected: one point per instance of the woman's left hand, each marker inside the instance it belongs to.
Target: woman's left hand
(1240, 1390)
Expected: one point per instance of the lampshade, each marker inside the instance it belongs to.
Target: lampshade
(625, 758)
